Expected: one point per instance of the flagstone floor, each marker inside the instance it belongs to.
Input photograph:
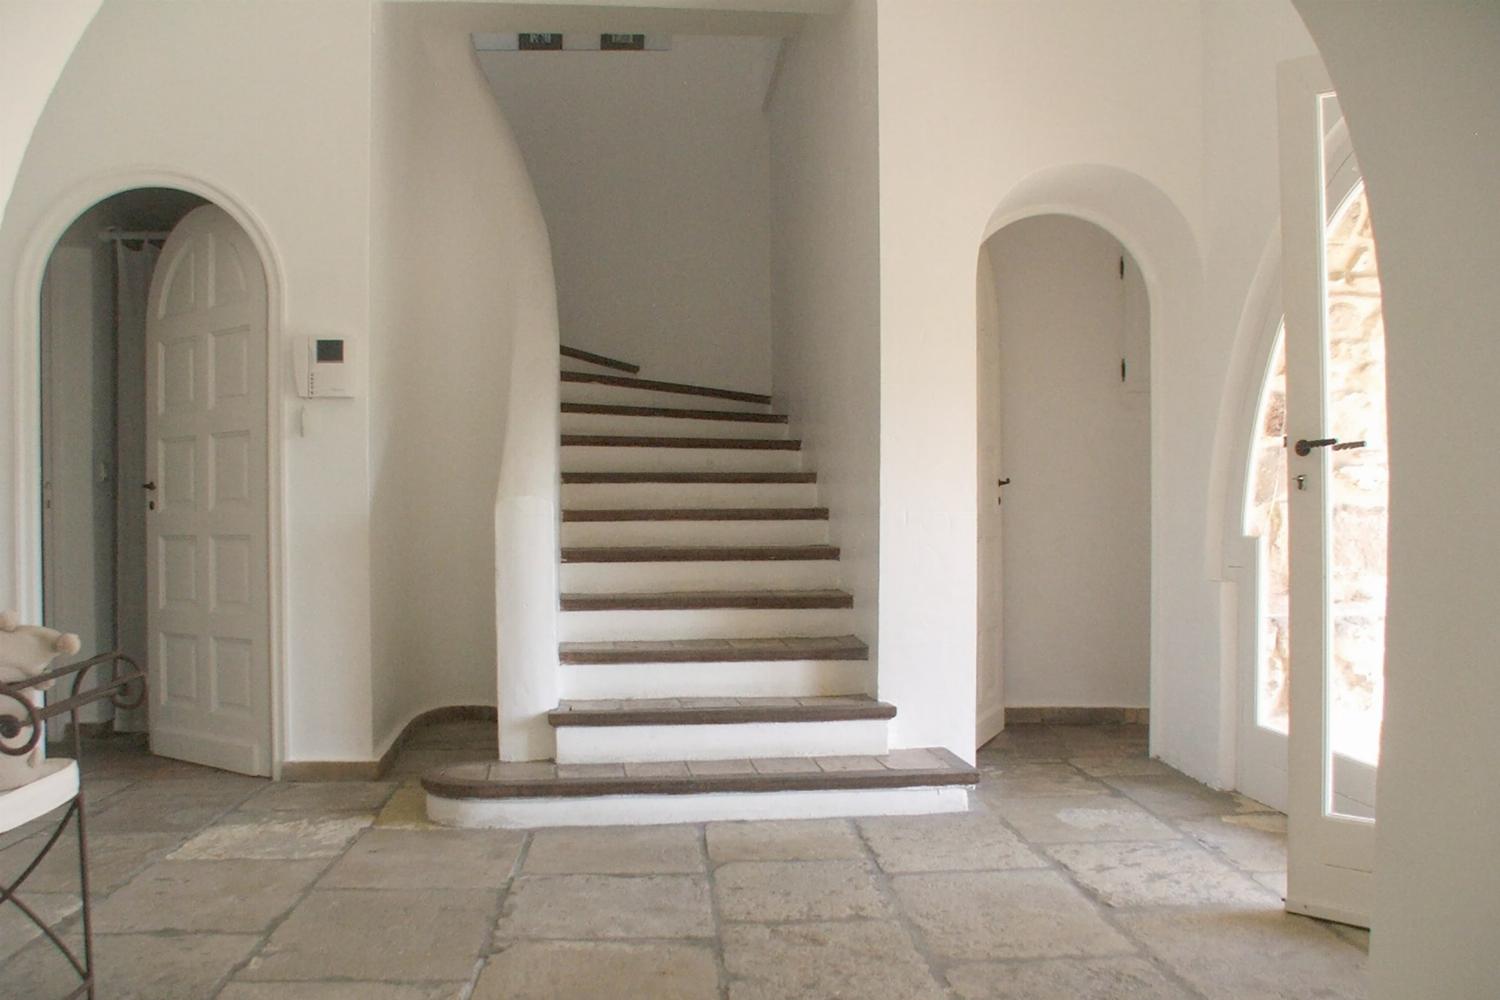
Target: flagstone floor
(1084, 871)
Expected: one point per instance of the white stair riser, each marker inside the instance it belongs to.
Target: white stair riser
(643, 810)
(588, 458)
(604, 626)
(636, 744)
(768, 679)
(655, 577)
(611, 423)
(595, 392)
(694, 533)
(656, 495)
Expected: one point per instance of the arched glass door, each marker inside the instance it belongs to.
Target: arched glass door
(1337, 475)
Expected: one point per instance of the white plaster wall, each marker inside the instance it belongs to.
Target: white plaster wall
(1076, 445)
(221, 93)
(1418, 84)
(960, 127)
(463, 391)
(653, 173)
(36, 39)
(826, 281)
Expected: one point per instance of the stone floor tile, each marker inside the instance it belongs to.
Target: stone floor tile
(1066, 979)
(1180, 797)
(1251, 954)
(783, 840)
(591, 970)
(1159, 873)
(1112, 765)
(782, 891)
(1274, 881)
(341, 991)
(581, 907)
(113, 858)
(321, 797)
(950, 842)
(1038, 778)
(228, 896)
(1124, 738)
(867, 959)
(17, 930)
(274, 839)
(709, 768)
(427, 859)
(786, 765)
(137, 966)
(603, 850)
(417, 762)
(406, 809)
(171, 806)
(1255, 842)
(1021, 742)
(434, 934)
(1078, 818)
(977, 916)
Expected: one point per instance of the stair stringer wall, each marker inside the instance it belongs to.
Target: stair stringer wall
(825, 281)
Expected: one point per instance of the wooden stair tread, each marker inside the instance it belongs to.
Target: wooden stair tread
(578, 515)
(584, 478)
(650, 441)
(578, 354)
(697, 553)
(676, 413)
(718, 711)
(701, 600)
(781, 648)
(915, 768)
(681, 388)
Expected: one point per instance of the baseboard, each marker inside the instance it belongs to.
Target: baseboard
(374, 770)
(1059, 716)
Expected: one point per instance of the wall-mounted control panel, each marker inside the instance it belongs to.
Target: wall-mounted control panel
(322, 367)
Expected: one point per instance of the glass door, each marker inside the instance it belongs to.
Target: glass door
(1338, 474)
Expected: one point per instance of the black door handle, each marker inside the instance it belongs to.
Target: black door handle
(149, 486)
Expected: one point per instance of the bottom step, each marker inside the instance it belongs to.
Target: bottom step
(903, 782)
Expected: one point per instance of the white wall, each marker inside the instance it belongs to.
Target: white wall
(960, 128)
(653, 172)
(1418, 84)
(826, 280)
(220, 94)
(36, 39)
(463, 384)
(1076, 445)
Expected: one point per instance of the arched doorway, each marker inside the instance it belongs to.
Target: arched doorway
(1065, 487)
(155, 499)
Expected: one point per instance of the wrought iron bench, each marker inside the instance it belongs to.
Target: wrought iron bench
(23, 725)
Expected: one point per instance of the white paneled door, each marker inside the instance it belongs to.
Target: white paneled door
(1337, 504)
(207, 498)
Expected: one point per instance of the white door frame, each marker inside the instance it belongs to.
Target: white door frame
(26, 473)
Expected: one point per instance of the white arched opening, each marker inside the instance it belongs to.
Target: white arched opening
(25, 412)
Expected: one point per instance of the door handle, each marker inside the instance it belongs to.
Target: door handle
(1304, 447)
(1002, 482)
(149, 486)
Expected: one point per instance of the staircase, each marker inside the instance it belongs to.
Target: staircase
(706, 661)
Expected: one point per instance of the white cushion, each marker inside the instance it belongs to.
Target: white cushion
(56, 784)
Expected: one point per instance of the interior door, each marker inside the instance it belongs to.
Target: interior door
(1336, 429)
(990, 671)
(207, 498)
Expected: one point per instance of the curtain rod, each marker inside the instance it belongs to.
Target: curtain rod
(116, 235)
